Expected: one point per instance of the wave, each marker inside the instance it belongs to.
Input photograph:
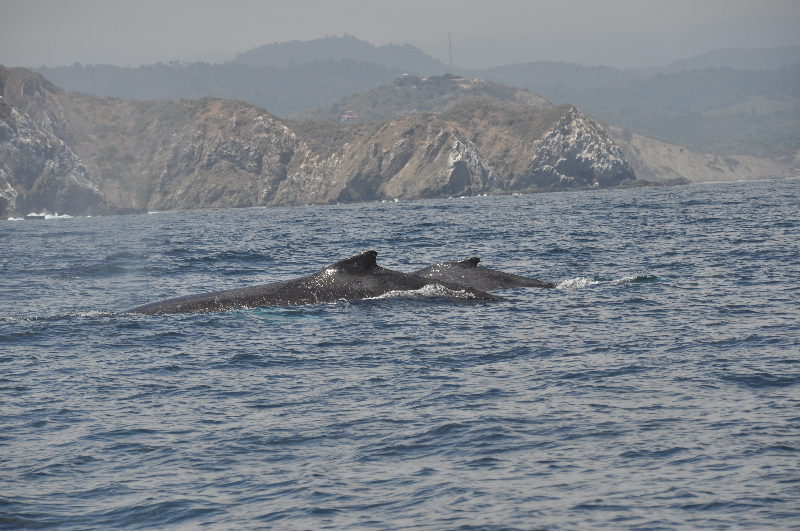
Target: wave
(32, 318)
(43, 215)
(426, 292)
(582, 282)
(290, 313)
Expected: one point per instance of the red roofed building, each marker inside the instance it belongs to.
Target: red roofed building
(349, 115)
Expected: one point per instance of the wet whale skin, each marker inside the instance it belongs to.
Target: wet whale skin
(467, 273)
(354, 278)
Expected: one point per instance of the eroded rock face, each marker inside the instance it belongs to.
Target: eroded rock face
(38, 169)
(470, 173)
(79, 154)
(576, 153)
(557, 149)
(39, 172)
(413, 158)
(227, 156)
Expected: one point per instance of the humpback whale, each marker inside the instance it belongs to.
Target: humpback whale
(466, 273)
(357, 277)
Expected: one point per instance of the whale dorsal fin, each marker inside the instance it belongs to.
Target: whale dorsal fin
(469, 263)
(358, 263)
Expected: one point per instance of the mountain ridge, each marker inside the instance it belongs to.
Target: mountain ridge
(134, 155)
(746, 59)
(761, 121)
(282, 54)
(409, 94)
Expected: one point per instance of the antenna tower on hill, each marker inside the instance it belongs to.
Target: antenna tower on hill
(450, 46)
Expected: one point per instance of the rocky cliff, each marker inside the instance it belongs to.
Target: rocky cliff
(543, 150)
(78, 154)
(38, 169)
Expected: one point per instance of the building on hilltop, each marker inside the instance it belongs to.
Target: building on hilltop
(348, 116)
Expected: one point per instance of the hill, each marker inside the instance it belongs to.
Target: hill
(755, 59)
(279, 89)
(715, 110)
(541, 147)
(77, 153)
(409, 94)
(656, 160)
(283, 54)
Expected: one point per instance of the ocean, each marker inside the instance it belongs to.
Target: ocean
(657, 387)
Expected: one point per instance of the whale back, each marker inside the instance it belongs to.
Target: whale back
(467, 273)
(469, 263)
(358, 264)
(354, 278)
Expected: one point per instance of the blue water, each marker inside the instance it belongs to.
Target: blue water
(657, 388)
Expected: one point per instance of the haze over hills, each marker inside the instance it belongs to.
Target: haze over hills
(120, 155)
(76, 153)
(757, 59)
(409, 94)
(279, 89)
(714, 109)
(282, 54)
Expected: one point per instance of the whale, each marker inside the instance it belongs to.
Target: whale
(468, 274)
(354, 278)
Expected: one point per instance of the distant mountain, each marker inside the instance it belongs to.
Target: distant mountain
(713, 108)
(278, 89)
(554, 74)
(710, 110)
(756, 59)
(283, 54)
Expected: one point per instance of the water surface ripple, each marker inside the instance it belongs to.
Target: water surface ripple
(657, 387)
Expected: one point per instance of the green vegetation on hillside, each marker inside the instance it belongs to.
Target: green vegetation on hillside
(283, 54)
(523, 125)
(327, 138)
(717, 110)
(410, 94)
(278, 90)
(404, 95)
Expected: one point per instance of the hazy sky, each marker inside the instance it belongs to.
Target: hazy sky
(621, 33)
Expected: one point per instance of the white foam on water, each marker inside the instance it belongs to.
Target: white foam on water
(431, 290)
(93, 313)
(629, 278)
(56, 216)
(16, 219)
(582, 282)
(577, 282)
(89, 314)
